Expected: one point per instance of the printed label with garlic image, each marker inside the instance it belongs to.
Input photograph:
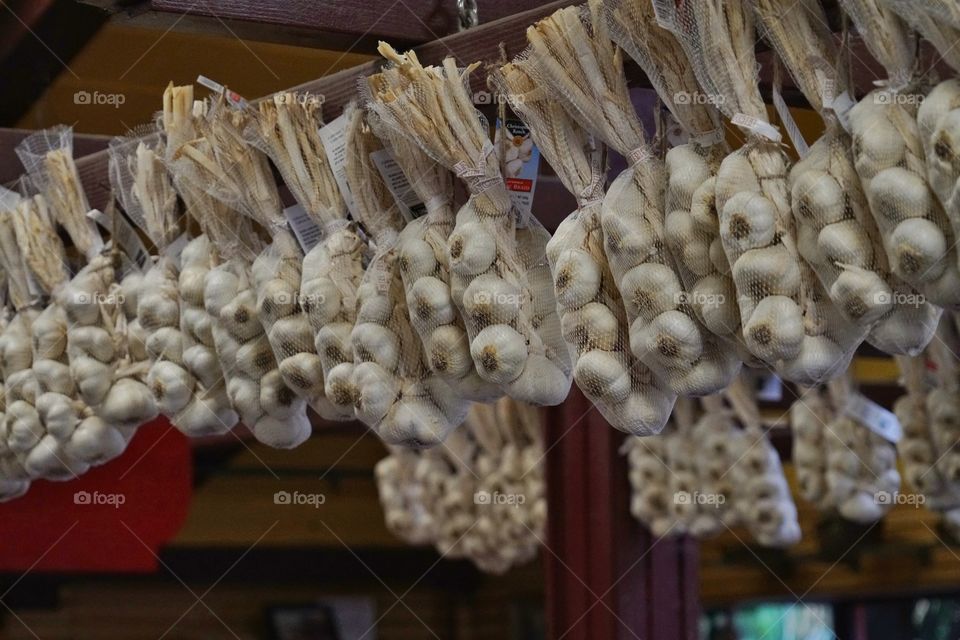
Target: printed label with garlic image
(521, 163)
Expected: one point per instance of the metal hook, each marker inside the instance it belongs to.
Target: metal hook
(467, 10)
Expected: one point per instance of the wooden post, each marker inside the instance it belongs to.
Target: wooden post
(607, 577)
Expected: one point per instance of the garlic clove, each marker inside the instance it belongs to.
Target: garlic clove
(846, 243)
(58, 414)
(197, 324)
(93, 442)
(770, 271)
(919, 250)
(45, 459)
(339, 386)
(499, 353)
(255, 359)
(774, 330)
(650, 289)
(277, 299)
(429, 303)
(415, 424)
(93, 379)
(703, 206)
(207, 414)
(576, 278)
(23, 426)
(861, 295)
(448, 351)
(376, 391)
(171, 385)
(321, 300)
(291, 334)
(277, 399)
(898, 194)
(417, 259)
(817, 198)
(472, 249)
(283, 434)
(672, 338)
(239, 317)
(166, 343)
(128, 404)
(603, 376)
(490, 299)
(191, 285)
(645, 412)
(627, 241)
(220, 287)
(542, 383)
(202, 362)
(91, 341)
(376, 343)
(333, 344)
(374, 306)
(244, 395)
(713, 299)
(749, 221)
(303, 371)
(54, 376)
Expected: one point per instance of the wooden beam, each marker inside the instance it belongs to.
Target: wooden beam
(409, 21)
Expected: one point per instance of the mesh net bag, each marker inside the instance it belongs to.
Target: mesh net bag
(649, 475)
(397, 394)
(809, 415)
(48, 158)
(691, 227)
(861, 464)
(836, 235)
(573, 56)
(943, 409)
(425, 262)
(761, 494)
(499, 278)
(788, 320)
(713, 434)
(402, 497)
(592, 314)
(889, 158)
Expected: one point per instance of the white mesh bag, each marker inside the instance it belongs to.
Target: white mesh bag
(691, 227)
(510, 316)
(835, 233)
(397, 394)
(788, 320)
(809, 415)
(573, 55)
(889, 157)
(592, 313)
(425, 262)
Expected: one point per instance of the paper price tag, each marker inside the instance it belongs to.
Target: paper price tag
(521, 166)
(757, 126)
(334, 138)
(397, 183)
(874, 417)
(306, 230)
(234, 98)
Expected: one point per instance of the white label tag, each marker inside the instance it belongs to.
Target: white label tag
(307, 231)
(334, 138)
(841, 106)
(396, 181)
(381, 276)
(793, 131)
(126, 237)
(521, 165)
(757, 126)
(874, 417)
(175, 248)
(234, 98)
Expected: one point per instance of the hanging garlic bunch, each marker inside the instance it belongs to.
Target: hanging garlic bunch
(716, 435)
(649, 474)
(241, 178)
(889, 158)
(424, 260)
(573, 55)
(286, 128)
(835, 233)
(592, 314)
(761, 494)
(943, 403)
(396, 392)
(690, 503)
(187, 377)
(918, 450)
(788, 320)
(691, 227)
(401, 495)
(510, 316)
(809, 416)
(862, 476)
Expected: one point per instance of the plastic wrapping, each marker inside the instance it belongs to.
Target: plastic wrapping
(788, 320)
(573, 57)
(889, 158)
(592, 314)
(48, 158)
(397, 394)
(504, 309)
